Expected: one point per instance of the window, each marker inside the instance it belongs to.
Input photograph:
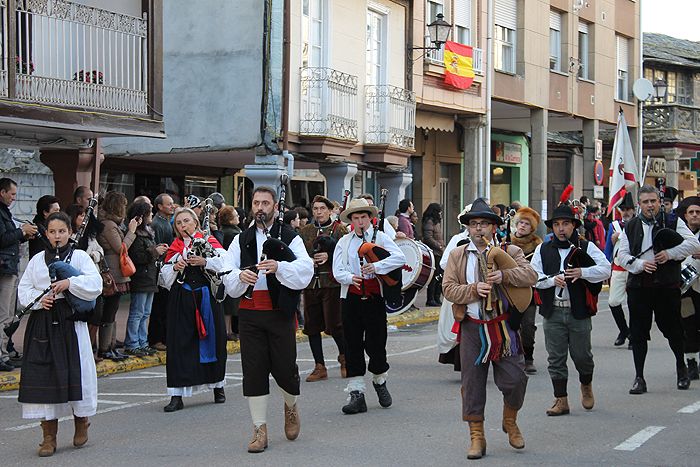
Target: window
(583, 50)
(432, 8)
(555, 58)
(504, 35)
(312, 32)
(376, 55)
(463, 21)
(680, 85)
(622, 45)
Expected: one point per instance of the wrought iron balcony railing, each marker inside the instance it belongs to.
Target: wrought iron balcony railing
(391, 116)
(328, 104)
(672, 121)
(437, 57)
(75, 55)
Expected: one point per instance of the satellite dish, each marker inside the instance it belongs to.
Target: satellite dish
(643, 89)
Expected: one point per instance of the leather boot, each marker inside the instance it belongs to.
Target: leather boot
(515, 438)
(356, 403)
(48, 445)
(259, 441)
(174, 405)
(81, 431)
(693, 373)
(219, 396)
(319, 373)
(587, 399)
(560, 407)
(292, 425)
(343, 370)
(477, 449)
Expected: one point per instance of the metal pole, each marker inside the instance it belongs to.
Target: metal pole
(486, 161)
(640, 118)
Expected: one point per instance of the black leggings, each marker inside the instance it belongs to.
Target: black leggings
(110, 306)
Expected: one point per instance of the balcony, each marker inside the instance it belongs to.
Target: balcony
(437, 57)
(74, 55)
(391, 117)
(328, 104)
(671, 123)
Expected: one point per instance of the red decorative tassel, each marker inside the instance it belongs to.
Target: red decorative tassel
(566, 194)
(201, 329)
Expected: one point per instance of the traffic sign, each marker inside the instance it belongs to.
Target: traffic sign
(598, 172)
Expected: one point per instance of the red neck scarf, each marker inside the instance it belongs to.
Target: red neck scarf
(178, 246)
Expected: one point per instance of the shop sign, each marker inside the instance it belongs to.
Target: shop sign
(657, 167)
(510, 153)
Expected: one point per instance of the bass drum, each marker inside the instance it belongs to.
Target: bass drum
(416, 273)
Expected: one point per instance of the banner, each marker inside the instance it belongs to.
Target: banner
(459, 69)
(623, 165)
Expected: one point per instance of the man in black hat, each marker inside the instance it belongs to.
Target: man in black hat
(468, 285)
(567, 305)
(618, 278)
(648, 253)
(689, 211)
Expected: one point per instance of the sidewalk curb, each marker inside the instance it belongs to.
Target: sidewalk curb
(10, 381)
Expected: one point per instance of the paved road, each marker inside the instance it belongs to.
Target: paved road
(422, 428)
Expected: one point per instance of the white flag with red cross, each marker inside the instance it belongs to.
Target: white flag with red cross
(623, 166)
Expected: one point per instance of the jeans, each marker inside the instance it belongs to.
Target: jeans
(137, 323)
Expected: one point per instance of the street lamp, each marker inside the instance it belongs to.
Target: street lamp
(439, 30)
(660, 88)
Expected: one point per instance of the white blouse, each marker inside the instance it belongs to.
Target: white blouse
(168, 274)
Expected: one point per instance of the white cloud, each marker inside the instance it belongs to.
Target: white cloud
(676, 18)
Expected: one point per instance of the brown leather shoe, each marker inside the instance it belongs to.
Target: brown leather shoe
(319, 373)
(259, 441)
(48, 445)
(587, 399)
(515, 438)
(477, 449)
(560, 407)
(159, 346)
(343, 370)
(81, 431)
(292, 425)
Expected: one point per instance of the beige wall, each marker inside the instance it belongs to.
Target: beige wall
(345, 38)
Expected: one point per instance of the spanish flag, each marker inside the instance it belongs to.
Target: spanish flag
(459, 70)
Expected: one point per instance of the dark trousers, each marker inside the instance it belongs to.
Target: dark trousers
(664, 305)
(508, 374)
(364, 326)
(268, 347)
(528, 329)
(691, 325)
(158, 322)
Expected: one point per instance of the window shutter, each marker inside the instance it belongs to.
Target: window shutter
(622, 53)
(506, 13)
(583, 27)
(463, 13)
(554, 20)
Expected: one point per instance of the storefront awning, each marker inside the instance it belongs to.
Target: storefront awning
(435, 121)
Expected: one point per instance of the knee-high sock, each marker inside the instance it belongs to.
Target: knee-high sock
(339, 339)
(639, 352)
(316, 345)
(258, 409)
(619, 317)
(289, 399)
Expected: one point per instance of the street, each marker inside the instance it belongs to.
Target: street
(423, 427)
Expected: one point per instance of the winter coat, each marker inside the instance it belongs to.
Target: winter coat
(143, 253)
(10, 238)
(111, 239)
(432, 236)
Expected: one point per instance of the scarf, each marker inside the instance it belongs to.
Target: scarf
(528, 243)
(178, 247)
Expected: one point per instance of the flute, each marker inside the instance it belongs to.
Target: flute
(249, 291)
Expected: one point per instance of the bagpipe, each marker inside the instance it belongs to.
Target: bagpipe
(370, 252)
(59, 270)
(274, 248)
(496, 258)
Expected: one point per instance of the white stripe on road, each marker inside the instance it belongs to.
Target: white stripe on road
(137, 394)
(101, 401)
(692, 408)
(636, 440)
(137, 377)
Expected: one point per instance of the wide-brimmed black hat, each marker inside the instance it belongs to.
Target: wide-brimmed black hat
(480, 210)
(685, 204)
(627, 202)
(670, 193)
(563, 212)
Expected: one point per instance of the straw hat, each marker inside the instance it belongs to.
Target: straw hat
(358, 205)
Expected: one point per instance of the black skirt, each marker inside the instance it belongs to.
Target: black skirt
(51, 362)
(183, 366)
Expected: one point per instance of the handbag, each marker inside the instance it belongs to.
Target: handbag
(125, 264)
(109, 287)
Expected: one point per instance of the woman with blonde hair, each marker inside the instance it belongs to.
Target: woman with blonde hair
(196, 354)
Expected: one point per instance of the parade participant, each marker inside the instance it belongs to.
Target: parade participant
(386, 226)
(405, 210)
(433, 238)
(565, 305)
(526, 221)
(45, 206)
(303, 216)
(469, 286)
(266, 317)
(618, 278)
(363, 308)
(447, 345)
(653, 282)
(58, 373)
(322, 296)
(689, 211)
(164, 235)
(196, 353)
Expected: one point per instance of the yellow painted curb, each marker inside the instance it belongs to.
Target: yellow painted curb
(10, 381)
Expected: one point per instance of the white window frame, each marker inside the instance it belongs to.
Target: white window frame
(383, 13)
(505, 35)
(622, 59)
(324, 45)
(462, 21)
(584, 43)
(555, 49)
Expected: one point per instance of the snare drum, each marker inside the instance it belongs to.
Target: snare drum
(420, 264)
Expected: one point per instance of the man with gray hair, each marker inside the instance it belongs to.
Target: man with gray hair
(652, 247)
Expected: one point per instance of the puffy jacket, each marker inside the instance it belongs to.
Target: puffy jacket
(10, 238)
(144, 255)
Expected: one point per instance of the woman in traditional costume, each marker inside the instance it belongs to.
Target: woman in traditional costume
(196, 357)
(58, 371)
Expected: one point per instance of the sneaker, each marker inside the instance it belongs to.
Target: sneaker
(5, 366)
(356, 403)
(149, 350)
(135, 352)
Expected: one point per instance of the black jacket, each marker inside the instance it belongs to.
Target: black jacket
(10, 238)
(144, 255)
